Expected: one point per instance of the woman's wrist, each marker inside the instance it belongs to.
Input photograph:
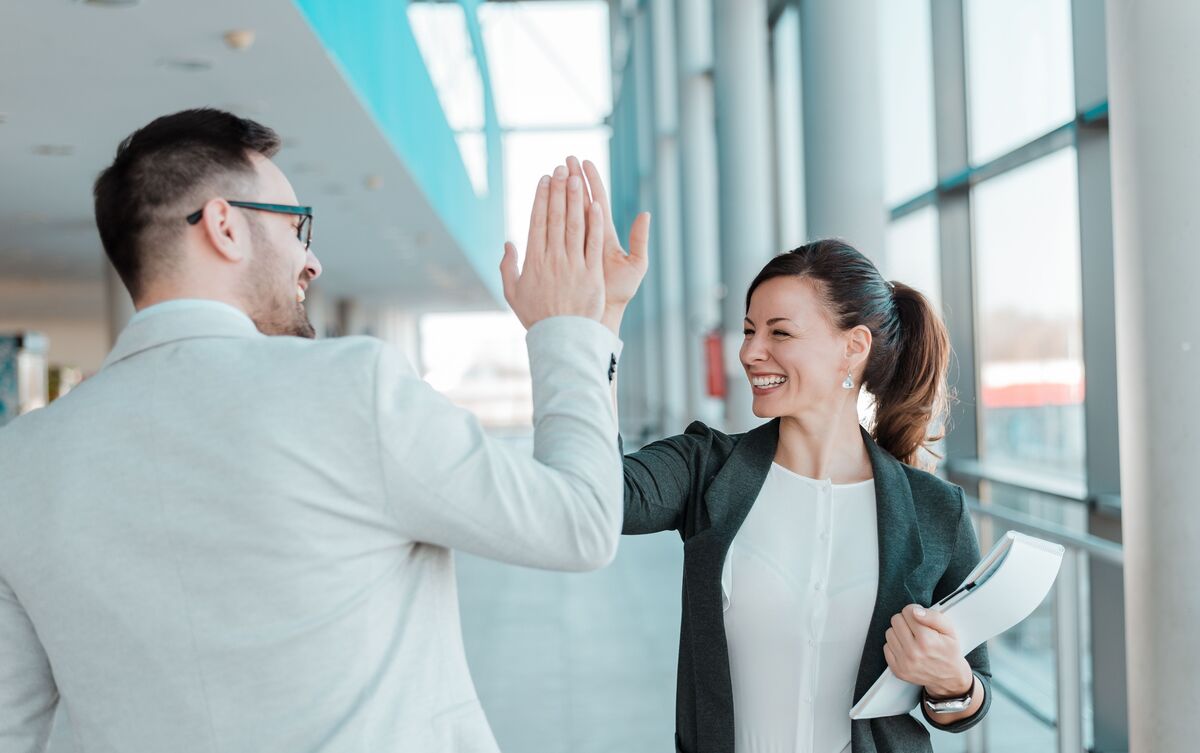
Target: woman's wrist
(955, 687)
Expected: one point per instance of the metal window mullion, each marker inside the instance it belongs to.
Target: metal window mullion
(1101, 431)
(948, 43)
(950, 124)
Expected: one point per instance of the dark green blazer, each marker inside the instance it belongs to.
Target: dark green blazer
(703, 483)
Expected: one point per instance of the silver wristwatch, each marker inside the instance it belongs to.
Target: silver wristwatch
(950, 705)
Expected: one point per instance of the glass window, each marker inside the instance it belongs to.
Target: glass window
(445, 44)
(1028, 302)
(549, 62)
(1019, 72)
(912, 253)
(907, 90)
(912, 257)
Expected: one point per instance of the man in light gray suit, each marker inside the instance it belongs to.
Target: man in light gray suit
(228, 541)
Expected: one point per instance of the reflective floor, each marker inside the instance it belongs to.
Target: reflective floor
(585, 663)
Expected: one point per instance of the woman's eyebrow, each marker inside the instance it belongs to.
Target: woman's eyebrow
(771, 321)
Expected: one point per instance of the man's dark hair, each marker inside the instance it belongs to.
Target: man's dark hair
(163, 172)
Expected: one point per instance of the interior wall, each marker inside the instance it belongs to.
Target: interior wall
(70, 313)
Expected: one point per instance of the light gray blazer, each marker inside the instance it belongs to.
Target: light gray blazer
(231, 542)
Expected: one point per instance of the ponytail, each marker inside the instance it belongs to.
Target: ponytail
(914, 400)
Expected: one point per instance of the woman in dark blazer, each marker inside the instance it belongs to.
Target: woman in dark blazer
(821, 325)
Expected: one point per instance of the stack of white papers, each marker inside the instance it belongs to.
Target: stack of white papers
(1005, 588)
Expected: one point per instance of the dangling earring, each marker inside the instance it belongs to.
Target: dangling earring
(848, 382)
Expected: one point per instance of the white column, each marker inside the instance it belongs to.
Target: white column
(701, 228)
(118, 305)
(1155, 160)
(666, 224)
(746, 170)
(641, 63)
(843, 135)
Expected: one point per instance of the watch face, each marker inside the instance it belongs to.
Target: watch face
(948, 706)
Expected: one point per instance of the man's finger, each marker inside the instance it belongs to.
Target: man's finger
(557, 215)
(574, 168)
(535, 246)
(576, 211)
(594, 250)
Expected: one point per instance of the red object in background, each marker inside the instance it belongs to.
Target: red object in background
(715, 364)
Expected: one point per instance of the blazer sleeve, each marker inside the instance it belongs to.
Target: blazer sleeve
(661, 478)
(963, 560)
(448, 482)
(28, 694)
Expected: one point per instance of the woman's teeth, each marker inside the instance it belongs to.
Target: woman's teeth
(764, 382)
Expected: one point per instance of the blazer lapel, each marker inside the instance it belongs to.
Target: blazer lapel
(900, 553)
(732, 493)
(726, 503)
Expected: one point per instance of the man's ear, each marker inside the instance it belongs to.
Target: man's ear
(224, 229)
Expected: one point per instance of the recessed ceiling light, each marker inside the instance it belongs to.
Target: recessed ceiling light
(187, 65)
(54, 150)
(239, 39)
(112, 3)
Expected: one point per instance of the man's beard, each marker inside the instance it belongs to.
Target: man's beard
(291, 322)
(272, 312)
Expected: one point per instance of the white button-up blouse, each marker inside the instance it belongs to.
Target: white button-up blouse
(799, 585)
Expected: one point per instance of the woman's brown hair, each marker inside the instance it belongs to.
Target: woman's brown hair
(910, 351)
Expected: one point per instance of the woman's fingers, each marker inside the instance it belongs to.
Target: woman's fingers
(639, 237)
(902, 633)
(508, 272)
(601, 195)
(928, 618)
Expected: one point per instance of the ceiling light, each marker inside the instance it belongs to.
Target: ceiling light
(112, 3)
(239, 39)
(54, 150)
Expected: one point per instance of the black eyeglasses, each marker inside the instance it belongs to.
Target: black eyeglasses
(303, 230)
